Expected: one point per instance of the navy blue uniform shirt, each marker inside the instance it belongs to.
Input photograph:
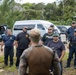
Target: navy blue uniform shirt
(70, 31)
(57, 46)
(8, 40)
(72, 39)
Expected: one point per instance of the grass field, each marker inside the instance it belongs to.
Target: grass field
(13, 71)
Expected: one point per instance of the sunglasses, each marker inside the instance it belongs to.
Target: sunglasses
(73, 23)
(49, 29)
(55, 36)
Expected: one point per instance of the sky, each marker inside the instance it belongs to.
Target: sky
(36, 1)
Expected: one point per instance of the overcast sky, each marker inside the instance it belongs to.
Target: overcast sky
(36, 1)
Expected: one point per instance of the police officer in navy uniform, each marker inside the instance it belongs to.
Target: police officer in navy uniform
(71, 29)
(72, 51)
(22, 42)
(47, 36)
(8, 41)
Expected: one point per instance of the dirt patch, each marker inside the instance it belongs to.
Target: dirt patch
(9, 73)
(1, 53)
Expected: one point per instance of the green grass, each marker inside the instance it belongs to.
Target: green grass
(8, 68)
(1, 59)
(13, 68)
(71, 70)
(14, 71)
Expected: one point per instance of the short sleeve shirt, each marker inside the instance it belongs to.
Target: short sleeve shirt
(72, 40)
(70, 31)
(8, 40)
(46, 38)
(23, 40)
(57, 46)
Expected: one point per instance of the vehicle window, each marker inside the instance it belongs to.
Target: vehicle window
(40, 27)
(2, 29)
(64, 29)
(20, 27)
(47, 25)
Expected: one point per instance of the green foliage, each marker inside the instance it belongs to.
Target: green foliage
(68, 22)
(61, 13)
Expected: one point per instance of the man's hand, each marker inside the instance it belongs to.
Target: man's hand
(60, 60)
(2, 43)
(68, 46)
(1, 49)
(63, 53)
(40, 42)
(14, 44)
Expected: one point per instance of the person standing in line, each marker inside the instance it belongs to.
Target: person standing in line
(22, 42)
(8, 40)
(53, 29)
(70, 31)
(47, 36)
(72, 51)
(38, 58)
(57, 45)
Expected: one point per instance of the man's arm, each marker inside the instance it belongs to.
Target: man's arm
(16, 43)
(68, 44)
(2, 43)
(63, 52)
(62, 55)
(23, 64)
(56, 65)
(43, 38)
(69, 41)
(67, 32)
(17, 39)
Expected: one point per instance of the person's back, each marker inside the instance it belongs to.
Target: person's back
(39, 61)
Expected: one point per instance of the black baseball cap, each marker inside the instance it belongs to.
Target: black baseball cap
(51, 25)
(73, 22)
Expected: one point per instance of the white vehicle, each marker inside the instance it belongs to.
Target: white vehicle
(67, 26)
(30, 24)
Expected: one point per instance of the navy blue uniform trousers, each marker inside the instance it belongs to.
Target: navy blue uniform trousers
(8, 51)
(18, 54)
(71, 53)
